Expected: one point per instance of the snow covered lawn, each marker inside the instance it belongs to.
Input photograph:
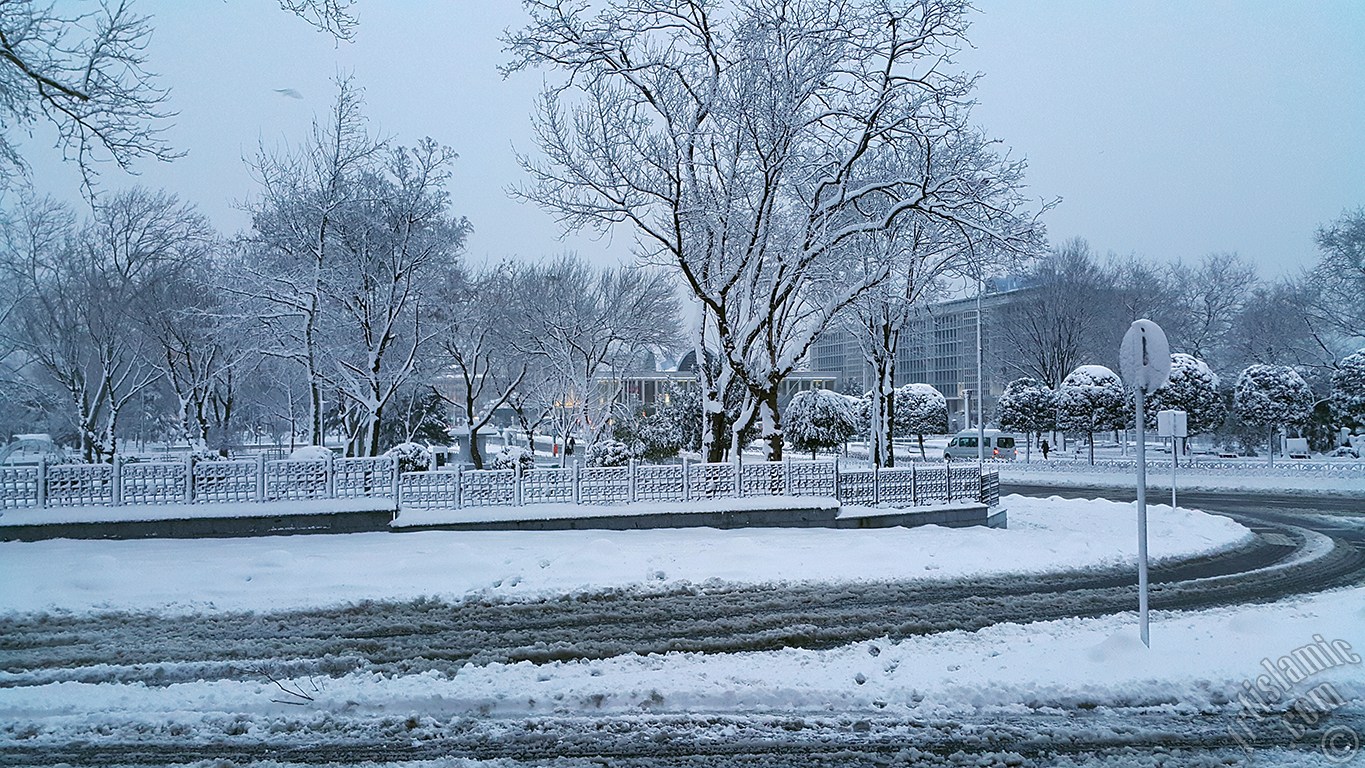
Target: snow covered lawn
(278, 573)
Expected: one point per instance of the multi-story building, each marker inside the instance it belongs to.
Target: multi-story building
(939, 348)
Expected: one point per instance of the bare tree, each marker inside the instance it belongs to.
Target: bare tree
(1339, 277)
(589, 322)
(1209, 297)
(331, 16)
(743, 144)
(85, 73)
(919, 251)
(88, 297)
(197, 347)
(478, 318)
(393, 241)
(294, 238)
(1058, 326)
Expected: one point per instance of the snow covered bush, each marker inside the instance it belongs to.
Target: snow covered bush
(1271, 396)
(608, 453)
(513, 457)
(1192, 388)
(1090, 400)
(862, 413)
(817, 419)
(1348, 389)
(310, 453)
(659, 436)
(919, 410)
(411, 457)
(1028, 406)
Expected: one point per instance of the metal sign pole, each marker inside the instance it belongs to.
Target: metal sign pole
(1145, 358)
(1142, 519)
(1175, 442)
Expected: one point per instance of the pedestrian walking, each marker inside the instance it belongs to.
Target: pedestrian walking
(1045, 448)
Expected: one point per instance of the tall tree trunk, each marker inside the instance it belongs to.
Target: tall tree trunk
(772, 424)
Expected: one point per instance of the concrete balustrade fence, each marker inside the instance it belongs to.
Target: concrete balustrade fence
(245, 481)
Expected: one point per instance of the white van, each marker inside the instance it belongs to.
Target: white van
(999, 445)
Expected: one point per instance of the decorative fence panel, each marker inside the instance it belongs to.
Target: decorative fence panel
(429, 490)
(18, 487)
(931, 485)
(71, 485)
(964, 483)
(660, 482)
(710, 481)
(153, 482)
(488, 488)
(224, 481)
(812, 478)
(363, 478)
(604, 485)
(547, 485)
(763, 478)
(896, 486)
(296, 479)
(858, 486)
(219, 481)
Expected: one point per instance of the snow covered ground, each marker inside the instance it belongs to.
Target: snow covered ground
(1198, 669)
(279, 573)
(1159, 482)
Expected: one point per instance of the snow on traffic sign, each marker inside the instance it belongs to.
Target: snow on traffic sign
(1145, 356)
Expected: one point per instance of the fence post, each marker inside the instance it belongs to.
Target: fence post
(396, 486)
(42, 481)
(687, 481)
(876, 485)
(516, 484)
(331, 477)
(189, 478)
(459, 486)
(914, 485)
(948, 468)
(837, 496)
(577, 482)
(260, 477)
(630, 477)
(787, 475)
(738, 490)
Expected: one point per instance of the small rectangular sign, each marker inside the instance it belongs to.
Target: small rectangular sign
(1171, 424)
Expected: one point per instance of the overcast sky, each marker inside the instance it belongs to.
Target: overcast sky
(1169, 129)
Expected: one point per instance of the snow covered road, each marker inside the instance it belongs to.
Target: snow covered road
(977, 668)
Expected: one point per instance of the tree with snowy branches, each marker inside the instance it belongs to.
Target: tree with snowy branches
(1272, 396)
(1348, 389)
(1091, 399)
(1192, 388)
(819, 419)
(746, 144)
(919, 410)
(1027, 405)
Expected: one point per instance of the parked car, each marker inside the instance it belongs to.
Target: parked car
(1344, 452)
(999, 445)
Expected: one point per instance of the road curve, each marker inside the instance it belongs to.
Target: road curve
(1304, 545)
(1295, 553)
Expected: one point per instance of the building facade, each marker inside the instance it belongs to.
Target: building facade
(939, 348)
